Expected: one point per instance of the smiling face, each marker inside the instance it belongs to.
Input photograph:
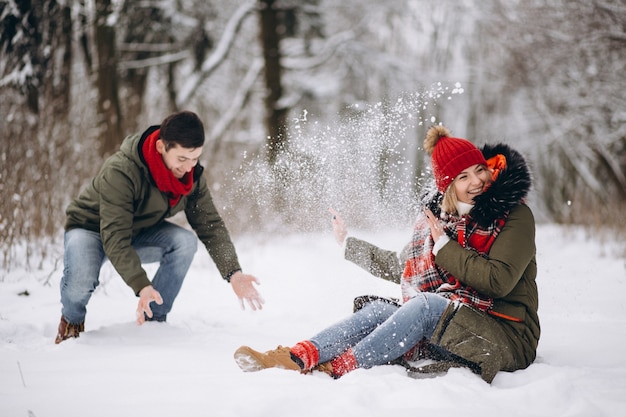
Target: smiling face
(177, 159)
(471, 182)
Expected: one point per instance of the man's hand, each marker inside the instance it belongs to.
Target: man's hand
(243, 286)
(146, 296)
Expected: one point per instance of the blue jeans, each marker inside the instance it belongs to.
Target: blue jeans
(381, 332)
(168, 244)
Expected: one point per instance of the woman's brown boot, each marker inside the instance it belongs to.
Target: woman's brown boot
(249, 360)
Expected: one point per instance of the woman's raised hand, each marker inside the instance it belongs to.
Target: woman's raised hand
(339, 227)
(436, 229)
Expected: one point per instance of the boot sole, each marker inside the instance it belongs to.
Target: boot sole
(247, 362)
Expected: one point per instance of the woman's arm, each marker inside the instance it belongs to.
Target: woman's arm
(498, 273)
(378, 262)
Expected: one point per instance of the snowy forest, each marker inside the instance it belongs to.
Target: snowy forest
(310, 103)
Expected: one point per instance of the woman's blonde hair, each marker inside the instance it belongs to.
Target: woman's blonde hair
(448, 203)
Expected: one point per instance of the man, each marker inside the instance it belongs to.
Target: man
(121, 216)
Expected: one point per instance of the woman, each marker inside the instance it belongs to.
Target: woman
(468, 283)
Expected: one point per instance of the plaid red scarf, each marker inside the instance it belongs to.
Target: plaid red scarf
(165, 181)
(422, 274)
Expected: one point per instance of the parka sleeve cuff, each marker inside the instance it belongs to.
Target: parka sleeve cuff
(230, 274)
(138, 283)
(440, 243)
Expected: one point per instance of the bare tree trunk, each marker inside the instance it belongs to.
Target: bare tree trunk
(109, 111)
(136, 47)
(275, 121)
(62, 38)
(171, 86)
(83, 37)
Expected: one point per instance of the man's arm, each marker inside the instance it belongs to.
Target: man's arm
(116, 190)
(212, 232)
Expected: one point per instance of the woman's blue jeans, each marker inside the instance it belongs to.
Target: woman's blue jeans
(172, 246)
(381, 332)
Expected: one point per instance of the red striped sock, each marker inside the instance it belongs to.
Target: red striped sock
(344, 363)
(307, 353)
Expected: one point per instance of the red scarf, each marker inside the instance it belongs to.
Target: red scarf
(165, 181)
(421, 274)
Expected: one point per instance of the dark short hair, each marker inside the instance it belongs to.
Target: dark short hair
(183, 128)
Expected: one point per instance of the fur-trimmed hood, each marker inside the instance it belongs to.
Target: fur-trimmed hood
(508, 190)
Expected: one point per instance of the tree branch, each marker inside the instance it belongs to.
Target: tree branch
(328, 50)
(218, 56)
(149, 47)
(238, 102)
(154, 61)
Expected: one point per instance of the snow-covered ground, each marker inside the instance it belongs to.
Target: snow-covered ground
(185, 367)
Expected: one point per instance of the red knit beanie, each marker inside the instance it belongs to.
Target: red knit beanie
(449, 156)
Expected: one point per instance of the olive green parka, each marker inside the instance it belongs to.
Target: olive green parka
(122, 200)
(507, 274)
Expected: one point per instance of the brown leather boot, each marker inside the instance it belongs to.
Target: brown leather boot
(68, 330)
(325, 367)
(249, 360)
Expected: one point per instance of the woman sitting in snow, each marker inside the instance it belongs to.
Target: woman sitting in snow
(468, 281)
